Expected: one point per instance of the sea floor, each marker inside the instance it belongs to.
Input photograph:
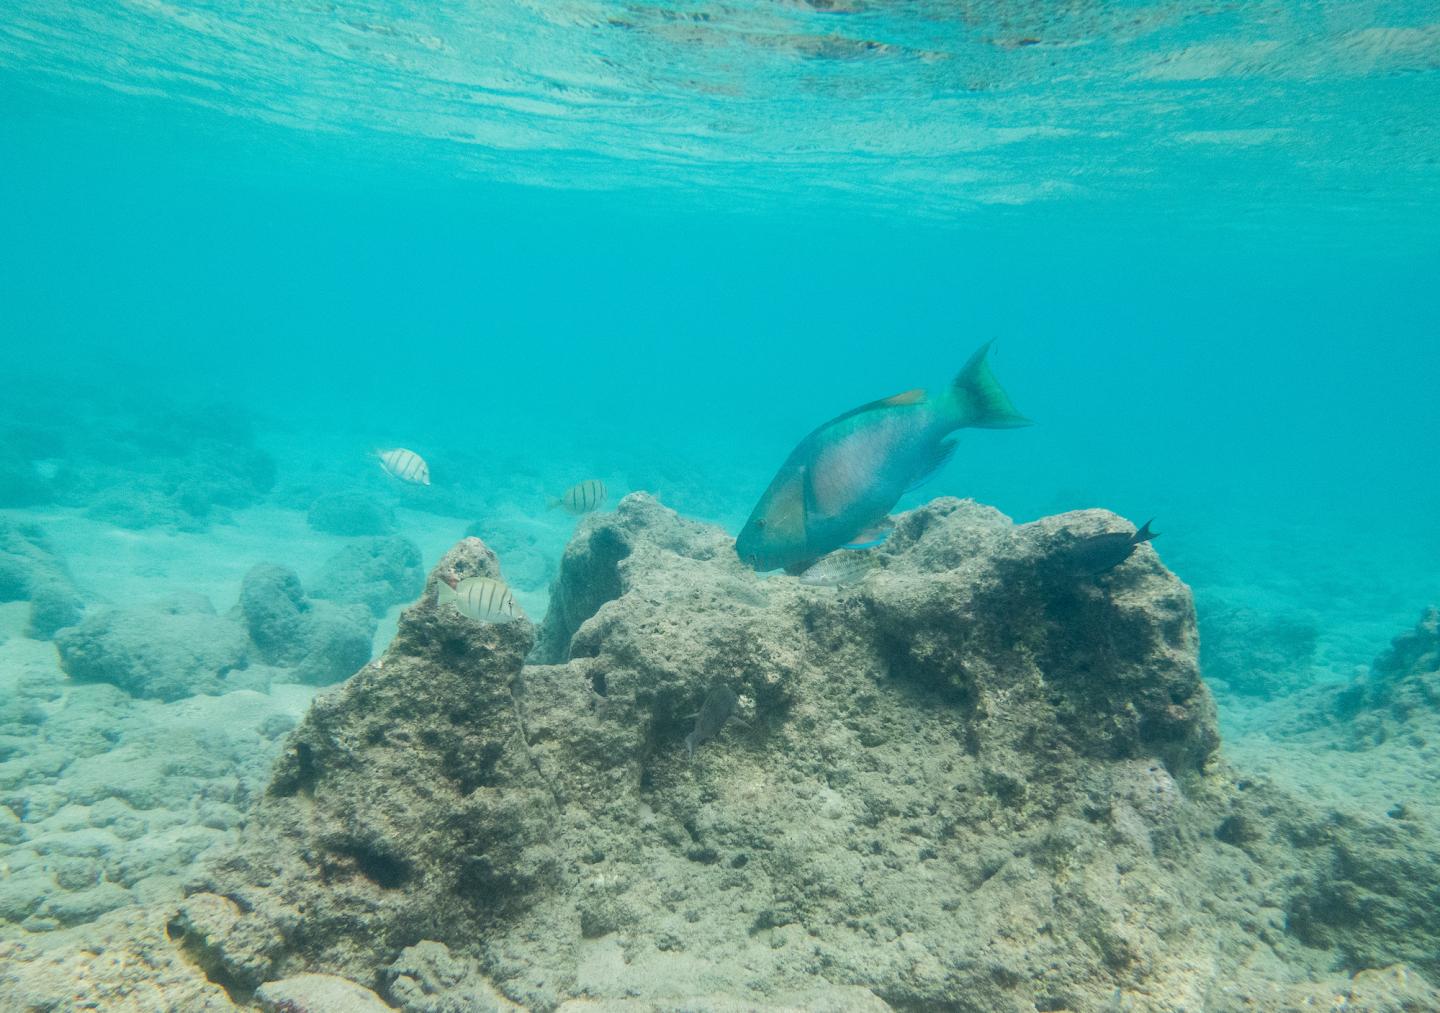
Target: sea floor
(109, 799)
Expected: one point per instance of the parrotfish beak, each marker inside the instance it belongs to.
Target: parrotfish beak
(753, 556)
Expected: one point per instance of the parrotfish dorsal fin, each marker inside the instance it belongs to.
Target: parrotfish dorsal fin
(901, 400)
(905, 397)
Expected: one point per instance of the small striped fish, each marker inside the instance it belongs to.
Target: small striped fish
(406, 465)
(840, 568)
(483, 599)
(581, 498)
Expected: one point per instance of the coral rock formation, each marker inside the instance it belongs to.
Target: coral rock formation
(374, 572)
(165, 651)
(973, 781)
(351, 513)
(931, 769)
(31, 571)
(323, 642)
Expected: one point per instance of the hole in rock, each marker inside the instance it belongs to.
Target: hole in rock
(193, 950)
(386, 871)
(301, 777)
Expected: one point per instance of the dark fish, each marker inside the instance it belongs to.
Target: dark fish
(719, 704)
(1097, 554)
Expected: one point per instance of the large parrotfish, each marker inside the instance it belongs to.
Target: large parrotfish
(836, 488)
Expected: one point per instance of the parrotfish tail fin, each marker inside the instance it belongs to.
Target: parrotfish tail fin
(555, 503)
(871, 536)
(980, 401)
(1145, 534)
(445, 593)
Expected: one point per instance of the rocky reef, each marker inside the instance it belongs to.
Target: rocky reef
(374, 572)
(168, 650)
(105, 800)
(1402, 687)
(970, 782)
(1249, 653)
(30, 570)
(182, 647)
(351, 513)
(133, 461)
(321, 641)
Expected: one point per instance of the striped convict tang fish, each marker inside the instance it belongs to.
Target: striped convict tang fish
(483, 599)
(406, 465)
(582, 497)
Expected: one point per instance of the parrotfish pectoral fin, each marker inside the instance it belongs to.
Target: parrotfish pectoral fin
(1145, 534)
(980, 401)
(939, 457)
(871, 536)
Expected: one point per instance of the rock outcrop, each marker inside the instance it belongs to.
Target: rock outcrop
(106, 800)
(321, 641)
(374, 572)
(31, 571)
(1248, 653)
(351, 513)
(165, 651)
(1403, 683)
(970, 782)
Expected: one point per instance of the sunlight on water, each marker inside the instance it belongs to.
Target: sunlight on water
(922, 107)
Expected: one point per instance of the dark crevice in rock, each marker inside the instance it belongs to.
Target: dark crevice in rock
(386, 870)
(204, 959)
(519, 707)
(296, 773)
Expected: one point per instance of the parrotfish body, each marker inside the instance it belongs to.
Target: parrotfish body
(837, 486)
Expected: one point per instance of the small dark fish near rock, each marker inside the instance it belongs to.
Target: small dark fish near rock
(719, 705)
(1098, 554)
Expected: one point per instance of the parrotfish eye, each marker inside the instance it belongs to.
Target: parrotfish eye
(760, 523)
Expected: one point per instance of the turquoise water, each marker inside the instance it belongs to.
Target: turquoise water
(657, 244)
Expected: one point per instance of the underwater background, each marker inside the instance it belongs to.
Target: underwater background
(655, 245)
